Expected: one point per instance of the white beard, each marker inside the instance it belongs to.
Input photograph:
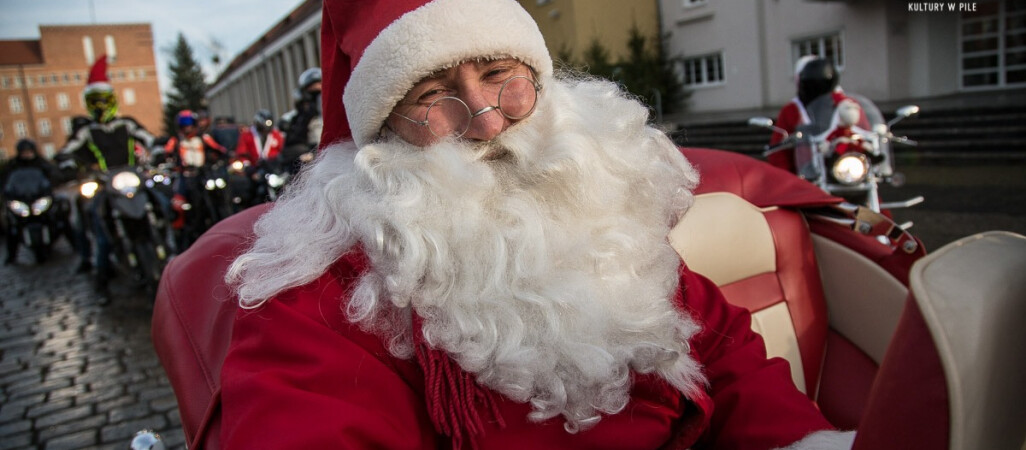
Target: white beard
(546, 272)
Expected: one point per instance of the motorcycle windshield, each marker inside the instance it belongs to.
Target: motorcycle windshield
(872, 113)
(27, 183)
(820, 112)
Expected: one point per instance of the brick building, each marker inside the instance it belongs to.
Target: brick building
(41, 81)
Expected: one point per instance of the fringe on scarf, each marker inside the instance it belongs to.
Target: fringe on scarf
(453, 397)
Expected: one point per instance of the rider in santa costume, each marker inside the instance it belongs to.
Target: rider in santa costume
(511, 292)
(814, 76)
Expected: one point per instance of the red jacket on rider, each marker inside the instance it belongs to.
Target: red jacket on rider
(251, 148)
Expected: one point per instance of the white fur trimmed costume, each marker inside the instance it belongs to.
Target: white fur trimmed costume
(405, 297)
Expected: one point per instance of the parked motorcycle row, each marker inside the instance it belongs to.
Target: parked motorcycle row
(138, 211)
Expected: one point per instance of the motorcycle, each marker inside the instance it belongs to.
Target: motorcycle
(135, 220)
(34, 212)
(846, 149)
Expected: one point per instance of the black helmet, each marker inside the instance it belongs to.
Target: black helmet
(818, 77)
(263, 120)
(309, 77)
(26, 144)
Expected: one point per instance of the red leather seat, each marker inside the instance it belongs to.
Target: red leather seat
(747, 233)
(192, 323)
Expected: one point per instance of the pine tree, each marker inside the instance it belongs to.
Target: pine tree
(646, 72)
(188, 85)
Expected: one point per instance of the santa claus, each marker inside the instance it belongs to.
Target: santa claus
(479, 259)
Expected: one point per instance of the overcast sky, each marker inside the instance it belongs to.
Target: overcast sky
(234, 24)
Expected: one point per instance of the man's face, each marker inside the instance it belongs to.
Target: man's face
(189, 130)
(27, 155)
(429, 111)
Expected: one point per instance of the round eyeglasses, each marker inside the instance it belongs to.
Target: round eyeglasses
(450, 116)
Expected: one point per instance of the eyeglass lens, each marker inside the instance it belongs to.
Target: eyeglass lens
(450, 116)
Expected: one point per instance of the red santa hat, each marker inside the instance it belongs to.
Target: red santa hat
(98, 81)
(375, 51)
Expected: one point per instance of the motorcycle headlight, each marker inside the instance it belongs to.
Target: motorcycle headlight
(89, 188)
(19, 208)
(220, 183)
(159, 178)
(126, 183)
(238, 165)
(209, 185)
(275, 180)
(851, 168)
(41, 205)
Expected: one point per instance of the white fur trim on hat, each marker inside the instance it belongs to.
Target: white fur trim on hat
(98, 87)
(439, 34)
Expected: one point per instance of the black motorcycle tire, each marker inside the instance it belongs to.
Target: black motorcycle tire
(149, 267)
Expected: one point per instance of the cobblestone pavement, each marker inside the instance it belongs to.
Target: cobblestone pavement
(74, 374)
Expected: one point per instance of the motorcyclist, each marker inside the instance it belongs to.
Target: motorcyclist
(304, 123)
(259, 148)
(107, 141)
(194, 153)
(27, 156)
(814, 76)
(262, 141)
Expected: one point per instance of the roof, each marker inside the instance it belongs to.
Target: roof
(292, 20)
(20, 52)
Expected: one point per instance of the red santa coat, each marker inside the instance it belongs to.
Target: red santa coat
(252, 149)
(299, 375)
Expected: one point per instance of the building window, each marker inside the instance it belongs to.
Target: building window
(44, 128)
(66, 78)
(5, 82)
(66, 124)
(49, 150)
(129, 95)
(704, 70)
(87, 48)
(142, 74)
(78, 77)
(63, 103)
(112, 51)
(40, 101)
(993, 45)
(15, 104)
(42, 80)
(20, 129)
(830, 46)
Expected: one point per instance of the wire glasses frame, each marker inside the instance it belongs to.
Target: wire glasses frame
(450, 116)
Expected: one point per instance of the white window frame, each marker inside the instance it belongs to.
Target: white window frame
(1001, 34)
(817, 44)
(45, 130)
(39, 102)
(63, 101)
(66, 124)
(20, 129)
(129, 95)
(49, 149)
(701, 65)
(14, 104)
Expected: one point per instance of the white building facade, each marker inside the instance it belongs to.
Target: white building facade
(739, 54)
(264, 76)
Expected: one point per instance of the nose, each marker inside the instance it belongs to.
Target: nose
(487, 125)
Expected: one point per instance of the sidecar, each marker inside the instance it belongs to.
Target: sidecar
(914, 350)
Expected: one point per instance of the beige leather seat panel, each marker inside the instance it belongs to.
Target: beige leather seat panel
(972, 294)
